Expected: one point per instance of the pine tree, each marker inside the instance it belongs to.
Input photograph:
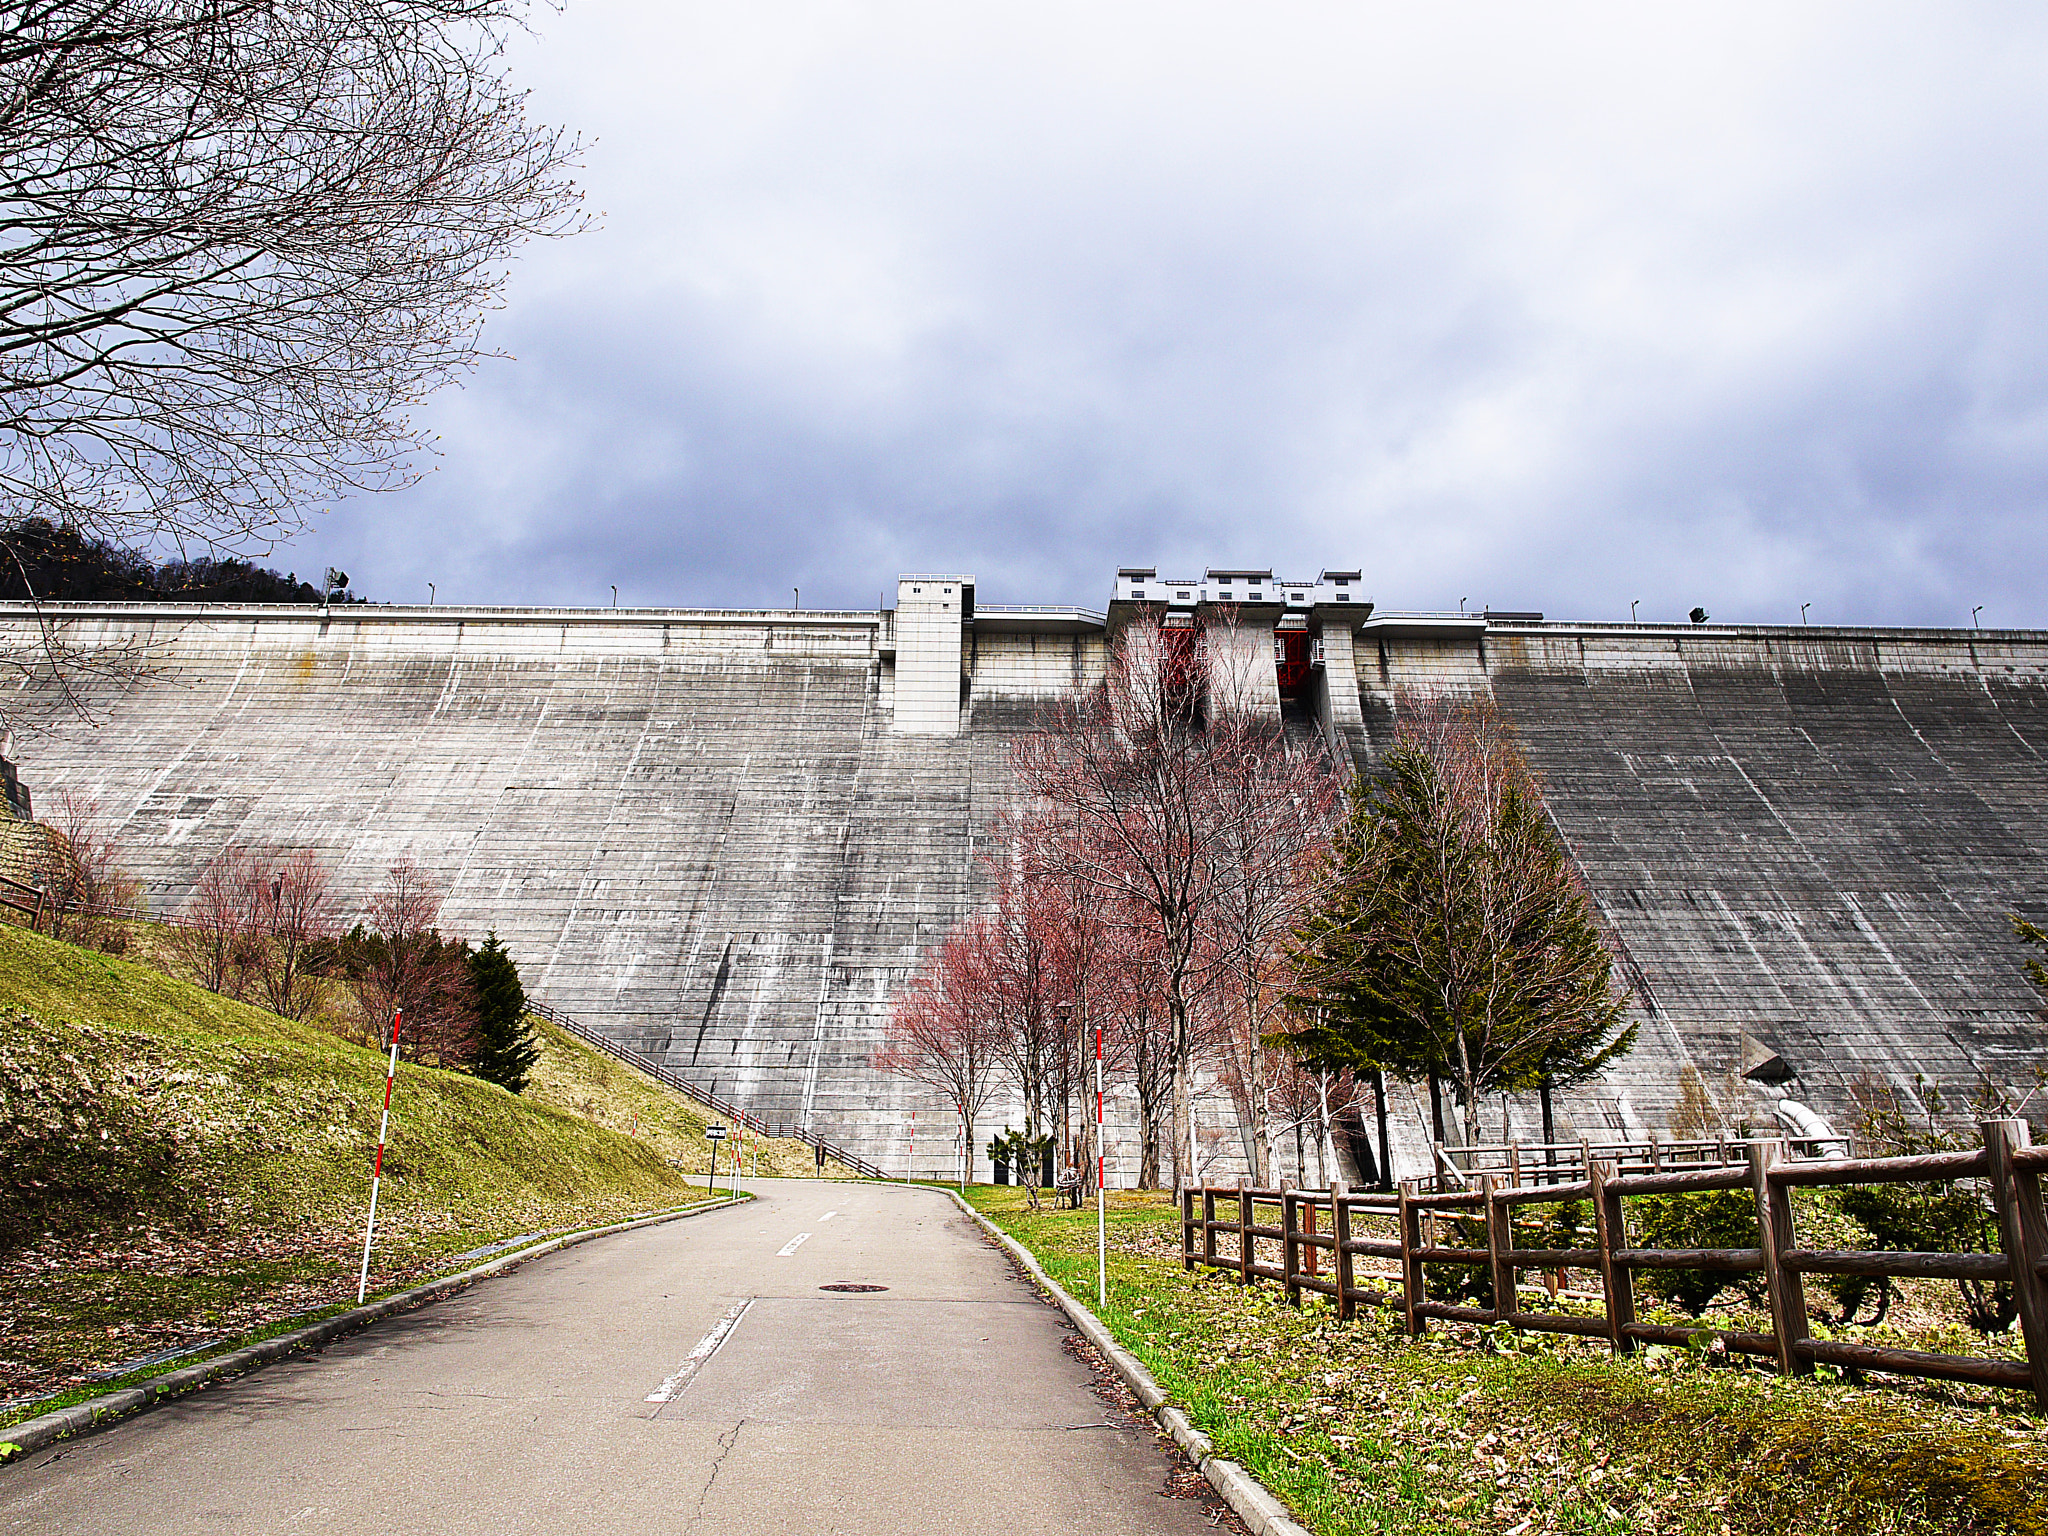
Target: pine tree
(506, 1046)
(2032, 933)
(1455, 939)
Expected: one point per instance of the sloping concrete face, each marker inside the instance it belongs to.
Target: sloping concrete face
(694, 831)
(704, 833)
(1810, 841)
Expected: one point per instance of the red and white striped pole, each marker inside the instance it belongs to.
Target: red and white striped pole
(377, 1169)
(1101, 1199)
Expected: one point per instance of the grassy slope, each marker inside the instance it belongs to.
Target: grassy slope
(179, 1166)
(1362, 1430)
(575, 1077)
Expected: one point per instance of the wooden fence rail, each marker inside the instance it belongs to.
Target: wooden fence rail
(1319, 1250)
(28, 900)
(1541, 1162)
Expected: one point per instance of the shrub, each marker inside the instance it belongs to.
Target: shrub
(1720, 1218)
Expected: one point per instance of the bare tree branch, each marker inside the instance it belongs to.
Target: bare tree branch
(238, 239)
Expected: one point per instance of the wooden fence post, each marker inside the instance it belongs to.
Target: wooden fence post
(1290, 1250)
(1310, 1255)
(1340, 1229)
(1208, 1227)
(1187, 1223)
(1774, 1224)
(2023, 1234)
(1411, 1260)
(1244, 1231)
(1499, 1239)
(1611, 1228)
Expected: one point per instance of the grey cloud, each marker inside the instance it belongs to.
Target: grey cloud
(1740, 310)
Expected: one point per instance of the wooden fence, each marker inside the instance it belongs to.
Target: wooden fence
(1318, 1250)
(1538, 1162)
(28, 900)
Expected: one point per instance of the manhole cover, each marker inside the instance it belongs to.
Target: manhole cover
(853, 1287)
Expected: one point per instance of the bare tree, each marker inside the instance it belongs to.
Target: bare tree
(297, 914)
(402, 964)
(1284, 808)
(1139, 766)
(251, 927)
(82, 879)
(1025, 989)
(242, 237)
(220, 938)
(943, 1032)
(1140, 1038)
(1077, 934)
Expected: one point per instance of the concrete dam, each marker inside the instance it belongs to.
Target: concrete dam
(725, 837)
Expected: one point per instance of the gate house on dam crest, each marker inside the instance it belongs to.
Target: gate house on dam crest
(724, 837)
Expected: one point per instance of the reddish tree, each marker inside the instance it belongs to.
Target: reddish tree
(297, 914)
(1023, 988)
(944, 1031)
(76, 866)
(1288, 802)
(1138, 1041)
(1146, 768)
(220, 937)
(403, 964)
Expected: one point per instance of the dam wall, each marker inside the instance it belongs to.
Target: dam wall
(1811, 839)
(708, 833)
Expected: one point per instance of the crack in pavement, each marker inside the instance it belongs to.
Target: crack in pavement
(725, 1443)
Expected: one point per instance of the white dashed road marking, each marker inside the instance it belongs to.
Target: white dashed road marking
(792, 1245)
(706, 1348)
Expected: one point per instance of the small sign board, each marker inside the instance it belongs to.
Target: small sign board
(714, 1133)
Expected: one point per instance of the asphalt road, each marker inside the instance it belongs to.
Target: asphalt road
(693, 1378)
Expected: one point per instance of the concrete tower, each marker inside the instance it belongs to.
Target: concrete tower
(930, 611)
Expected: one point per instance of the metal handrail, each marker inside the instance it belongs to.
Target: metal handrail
(703, 1096)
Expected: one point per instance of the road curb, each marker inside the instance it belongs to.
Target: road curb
(95, 1414)
(1255, 1504)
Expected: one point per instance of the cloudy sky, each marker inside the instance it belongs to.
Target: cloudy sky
(1538, 306)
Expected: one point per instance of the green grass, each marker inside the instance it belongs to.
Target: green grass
(1361, 1429)
(584, 1081)
(177, 1167)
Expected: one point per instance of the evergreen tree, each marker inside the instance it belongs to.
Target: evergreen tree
(2032, 933)
(506, 1046)
(1456, 941)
